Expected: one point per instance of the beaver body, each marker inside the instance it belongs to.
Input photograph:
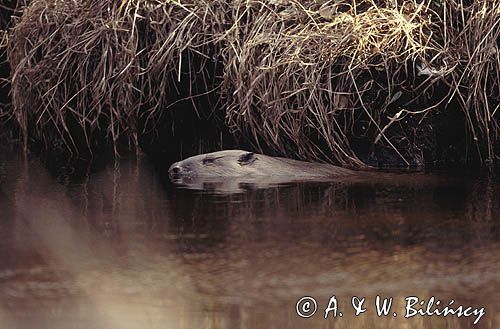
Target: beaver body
(238, 163)
(237, 170)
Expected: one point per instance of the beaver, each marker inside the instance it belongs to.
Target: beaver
(238, 170)
(238, 163)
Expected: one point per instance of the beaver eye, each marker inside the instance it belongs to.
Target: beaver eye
(208, 161)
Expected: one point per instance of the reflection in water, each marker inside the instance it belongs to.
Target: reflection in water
(117, 249)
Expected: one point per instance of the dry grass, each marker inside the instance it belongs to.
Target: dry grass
(8, 10)
(299, 76)
(470, 52)
(99, 64)
(310, 68)
(305, 64)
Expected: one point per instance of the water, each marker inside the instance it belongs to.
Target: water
(118, 247)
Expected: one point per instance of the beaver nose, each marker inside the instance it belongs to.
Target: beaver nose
(174, 170)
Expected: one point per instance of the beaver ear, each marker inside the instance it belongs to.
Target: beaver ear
(247, 158)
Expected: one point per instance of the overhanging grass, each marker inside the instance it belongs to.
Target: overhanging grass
(299, 77)
(100, 63)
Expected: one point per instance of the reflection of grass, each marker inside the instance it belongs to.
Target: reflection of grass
(298, 76)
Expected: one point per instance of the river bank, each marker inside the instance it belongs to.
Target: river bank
(377, 83)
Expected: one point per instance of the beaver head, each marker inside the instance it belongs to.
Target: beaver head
(230, 163)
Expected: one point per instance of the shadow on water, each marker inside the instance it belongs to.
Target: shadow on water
(117, 248)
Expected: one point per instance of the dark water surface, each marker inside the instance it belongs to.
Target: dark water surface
(117, 248)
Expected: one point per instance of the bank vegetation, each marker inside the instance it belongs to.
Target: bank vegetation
(349, 82)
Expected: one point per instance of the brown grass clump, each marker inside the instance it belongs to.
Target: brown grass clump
(306, 72)
(305, 79)
(85, 70)
(470, 54)
(301, 69)
(9, 10)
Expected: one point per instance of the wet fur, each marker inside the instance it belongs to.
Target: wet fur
(234, 171)
(238, 163)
